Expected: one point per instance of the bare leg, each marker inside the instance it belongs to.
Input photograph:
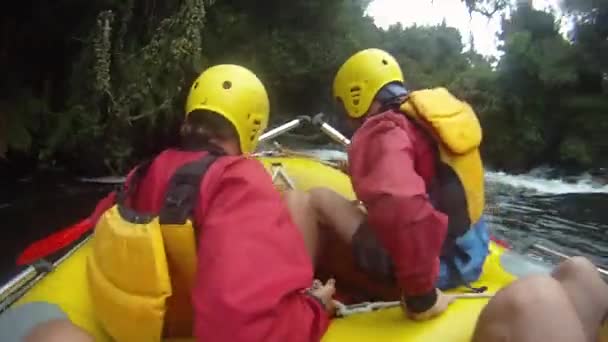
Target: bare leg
(304, 216)
(321, 212)
(58, 330)
(586, 290)
(567, 306)
(328, 222)
(534, 308)
(335, 211)
(339, 220)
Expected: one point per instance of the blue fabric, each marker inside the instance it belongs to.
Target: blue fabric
(475, 244)
(18, 321)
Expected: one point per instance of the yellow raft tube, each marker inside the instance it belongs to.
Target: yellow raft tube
(66, 284)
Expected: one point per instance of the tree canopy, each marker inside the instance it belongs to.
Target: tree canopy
(96, 86)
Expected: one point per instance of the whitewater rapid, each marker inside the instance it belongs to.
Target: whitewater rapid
(583, 184)
(537, 180)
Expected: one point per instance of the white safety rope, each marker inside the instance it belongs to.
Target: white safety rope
(343, 310)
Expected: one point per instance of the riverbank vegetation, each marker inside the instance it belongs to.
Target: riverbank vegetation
(93, 87)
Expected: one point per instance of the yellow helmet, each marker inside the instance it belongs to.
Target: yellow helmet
(361, 77)
(235, 93)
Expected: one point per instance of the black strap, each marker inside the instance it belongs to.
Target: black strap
(183, 188)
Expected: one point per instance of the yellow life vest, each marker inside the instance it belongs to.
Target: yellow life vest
(142, 266)
(459, 187)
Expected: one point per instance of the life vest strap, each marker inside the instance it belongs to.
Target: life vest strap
(183, 189)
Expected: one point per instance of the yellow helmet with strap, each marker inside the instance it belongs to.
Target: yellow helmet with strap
(238, 95)
(361, 77)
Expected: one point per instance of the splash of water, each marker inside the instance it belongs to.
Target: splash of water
(555, 186)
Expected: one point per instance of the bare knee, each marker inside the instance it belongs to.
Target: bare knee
(297, 198)
(321, 197)
(336, 212)
(527, 292)
(58, 330)
(586, 290)
(522, 306)
(300, 208)
(575, 268)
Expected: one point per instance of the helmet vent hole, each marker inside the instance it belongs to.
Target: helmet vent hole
(227, 85)
(195, 85)
(384, 62)
(356, 102)
(257, 122)
(355, 89)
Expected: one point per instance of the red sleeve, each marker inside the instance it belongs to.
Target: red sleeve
(252, 262)
(381, 162)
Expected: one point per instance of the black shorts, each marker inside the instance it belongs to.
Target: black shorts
(370, 256)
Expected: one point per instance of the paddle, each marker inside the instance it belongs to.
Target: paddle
(63, 238)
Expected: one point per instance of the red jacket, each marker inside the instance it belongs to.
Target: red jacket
(392, 163)
(252, 261)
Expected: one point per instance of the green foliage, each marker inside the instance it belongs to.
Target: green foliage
(575, 150)
(120, 96)
(129, 82)
(21, 120)
(294, 47)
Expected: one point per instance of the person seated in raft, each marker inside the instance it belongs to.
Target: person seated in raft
(254, 269)
(415, 166)
(570, 305)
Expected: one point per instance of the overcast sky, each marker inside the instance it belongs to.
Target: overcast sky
(431, 12)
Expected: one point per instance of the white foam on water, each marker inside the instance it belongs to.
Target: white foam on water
(534, 180)
(581, 184)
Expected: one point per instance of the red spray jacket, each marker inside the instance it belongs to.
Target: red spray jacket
(252, 262)
(392, 163)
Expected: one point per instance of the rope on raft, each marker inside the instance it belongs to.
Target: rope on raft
(343, 310)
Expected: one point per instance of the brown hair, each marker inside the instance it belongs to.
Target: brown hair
(201, 126)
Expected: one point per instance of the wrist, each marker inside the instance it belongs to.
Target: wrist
(421, 303)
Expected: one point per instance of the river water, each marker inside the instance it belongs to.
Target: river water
(568, 215)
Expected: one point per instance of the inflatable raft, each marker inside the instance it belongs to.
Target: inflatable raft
(63, 281)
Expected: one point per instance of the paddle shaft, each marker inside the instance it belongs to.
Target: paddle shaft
(284, 128)
(330, 131)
